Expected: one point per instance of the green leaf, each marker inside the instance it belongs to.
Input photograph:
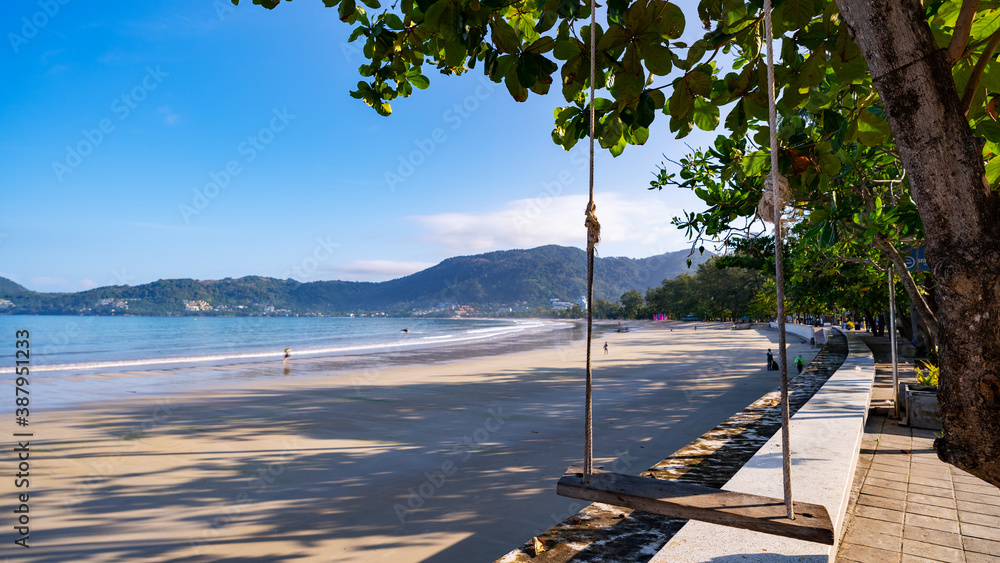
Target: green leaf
(681, 100)
(566, 49)
(812, 71)
(705, 115)
(419, 81)
(630, 77)
(611, 131)
(527, 70)
(516, 89)
(993, 170)
(671, 21)
(699, 82)
(346, 10)
(541, 45)
(640, 135)
(797, 13)
(872, 129)
(658, 58)
(504, 37)
(646, 110)
(755, 163)
(392, 21)
(615, 37)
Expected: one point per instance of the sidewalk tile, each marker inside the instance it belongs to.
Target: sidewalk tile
(930, 522)
(977, 545)
(869, 538)
(978, 507)
(984, 488)
(965, 477)
(889, 476)
(891, 460)
(944, 502)
(935, 537)
(976, 497)
(879, 513)
(887, 483)
(979, 558)
(917, 479)
(869, 488)
(909, 558)
(881, 502)
(980, 519)
(982, 532)
(931, 491)
(879, 526)
(898, 468)
(851, 552)
(930, 473)
(929, 550)
(931, 510)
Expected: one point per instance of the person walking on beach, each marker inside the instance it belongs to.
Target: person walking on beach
(287, 350)
(605, 347)
(770, 360)
(799, 363)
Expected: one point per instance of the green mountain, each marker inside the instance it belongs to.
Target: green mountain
(486, 281)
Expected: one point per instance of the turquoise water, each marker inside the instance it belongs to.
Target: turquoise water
(87, 343)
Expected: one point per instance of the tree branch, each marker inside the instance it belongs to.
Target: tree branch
(977, 73)
(963, 27)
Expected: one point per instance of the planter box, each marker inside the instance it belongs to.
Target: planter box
(921, 406)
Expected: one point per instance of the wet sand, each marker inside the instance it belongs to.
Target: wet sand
(447, 457)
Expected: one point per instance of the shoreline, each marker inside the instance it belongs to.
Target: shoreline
(453, 460)
(81, 386)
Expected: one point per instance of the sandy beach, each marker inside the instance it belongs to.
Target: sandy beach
(450, 458)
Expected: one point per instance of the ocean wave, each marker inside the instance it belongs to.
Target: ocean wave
(401, 342)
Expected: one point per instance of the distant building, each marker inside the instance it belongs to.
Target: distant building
(558, 305)
(6, 303)
(583, 302)
(196, 306)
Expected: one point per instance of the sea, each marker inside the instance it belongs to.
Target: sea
(81, 358)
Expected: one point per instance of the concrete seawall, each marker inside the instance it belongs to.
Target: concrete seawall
(825, 436)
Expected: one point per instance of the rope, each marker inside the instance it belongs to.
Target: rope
(777, 188)
(593, 237)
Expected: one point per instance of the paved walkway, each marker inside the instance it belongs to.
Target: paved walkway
(909, 506)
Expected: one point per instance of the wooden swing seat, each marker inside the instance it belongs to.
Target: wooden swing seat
(696, 502)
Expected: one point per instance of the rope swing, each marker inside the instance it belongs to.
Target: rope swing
(777, 187)
(686, 500)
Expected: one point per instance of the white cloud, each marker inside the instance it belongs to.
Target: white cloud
(635, 226)
(169, 117)
(377, 270)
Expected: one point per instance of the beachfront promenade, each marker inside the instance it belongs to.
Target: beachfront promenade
(891, 499)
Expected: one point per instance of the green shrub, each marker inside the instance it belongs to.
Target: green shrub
(929, 377)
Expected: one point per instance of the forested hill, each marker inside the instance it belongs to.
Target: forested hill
(507, 278)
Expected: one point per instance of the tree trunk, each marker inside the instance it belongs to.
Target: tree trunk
(960, 215)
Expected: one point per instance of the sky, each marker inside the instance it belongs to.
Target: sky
(195, 139)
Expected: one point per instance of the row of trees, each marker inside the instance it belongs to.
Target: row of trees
(887, 133)
(712, 291)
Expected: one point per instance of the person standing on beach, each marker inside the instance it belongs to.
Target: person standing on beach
(605, 347)
(287, 350)
(770, 360)
(799, 363)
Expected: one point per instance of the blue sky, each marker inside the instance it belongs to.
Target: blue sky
(121, 117)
